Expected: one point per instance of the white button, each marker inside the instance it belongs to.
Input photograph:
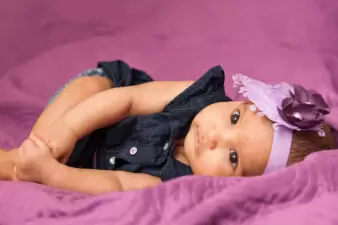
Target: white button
(112, 160)
(166, 146)
(133, 151)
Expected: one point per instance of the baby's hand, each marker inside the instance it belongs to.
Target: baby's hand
(34, 160)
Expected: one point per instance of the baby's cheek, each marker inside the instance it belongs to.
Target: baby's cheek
(211, 166)
(201, 166)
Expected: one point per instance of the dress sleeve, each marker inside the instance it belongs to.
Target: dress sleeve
(122, 75)
(207, 90)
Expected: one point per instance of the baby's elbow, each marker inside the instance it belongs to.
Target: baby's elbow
(114, 185)
(107, 185)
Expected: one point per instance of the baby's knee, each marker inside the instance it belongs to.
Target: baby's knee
(97, 76)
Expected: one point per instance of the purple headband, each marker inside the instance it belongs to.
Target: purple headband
(290, 107)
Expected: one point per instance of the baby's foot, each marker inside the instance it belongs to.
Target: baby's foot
(35, 161)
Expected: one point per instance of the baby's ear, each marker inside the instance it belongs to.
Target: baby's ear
(38, 141)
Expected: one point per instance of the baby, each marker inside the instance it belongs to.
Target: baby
(114, 129)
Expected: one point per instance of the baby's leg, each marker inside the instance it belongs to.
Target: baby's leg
(75, 92)
(7, 162)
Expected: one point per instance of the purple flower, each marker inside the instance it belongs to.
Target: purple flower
(303, 109)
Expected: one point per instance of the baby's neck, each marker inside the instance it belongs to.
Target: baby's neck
(180, 154)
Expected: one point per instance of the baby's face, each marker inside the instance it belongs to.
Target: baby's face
(228, 139)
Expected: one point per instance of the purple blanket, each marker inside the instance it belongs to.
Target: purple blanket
(44, 43)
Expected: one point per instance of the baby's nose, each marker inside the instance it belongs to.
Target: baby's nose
(213, 140)
(216, 140)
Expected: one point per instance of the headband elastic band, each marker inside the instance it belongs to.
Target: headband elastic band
(280, 150)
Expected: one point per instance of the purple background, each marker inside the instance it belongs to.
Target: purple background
(44, 43)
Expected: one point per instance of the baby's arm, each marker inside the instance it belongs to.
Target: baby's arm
(36, 163)
(111, 106)
(106, 108)
(98, 181)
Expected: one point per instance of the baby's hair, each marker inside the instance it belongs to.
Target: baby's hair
(307, 142)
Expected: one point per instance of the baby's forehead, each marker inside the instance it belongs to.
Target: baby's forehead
(255, 142)
(255, 126)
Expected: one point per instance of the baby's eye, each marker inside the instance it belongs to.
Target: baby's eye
(233, 158)
(235, 117)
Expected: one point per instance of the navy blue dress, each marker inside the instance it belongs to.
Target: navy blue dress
(146, 144)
